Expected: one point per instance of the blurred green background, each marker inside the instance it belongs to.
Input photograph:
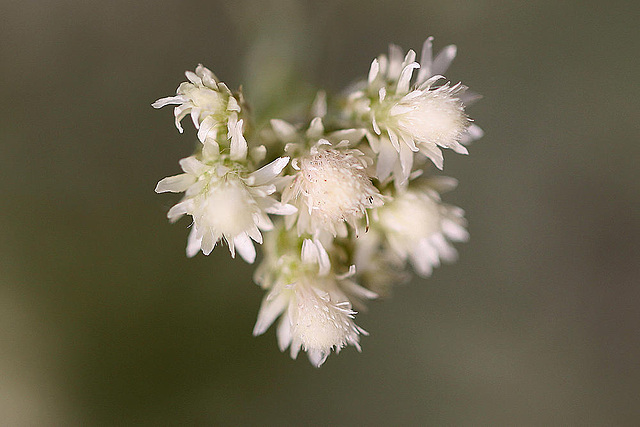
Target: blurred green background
(104, 321)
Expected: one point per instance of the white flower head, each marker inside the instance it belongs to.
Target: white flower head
(314, 309)
(226, 202)
(315, 316)
(407, 118)
(212, 106)
(331, 188)
(418, 226)
(320, 321)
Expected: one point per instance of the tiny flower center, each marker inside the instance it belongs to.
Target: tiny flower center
(434, 116)
(319, 323)
(335, 185)
(228, 208)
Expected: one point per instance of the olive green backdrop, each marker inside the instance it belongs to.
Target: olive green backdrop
(104, 321)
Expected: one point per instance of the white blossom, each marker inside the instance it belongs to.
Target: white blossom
(331, 188)
(312, 302)
(212, 106)
(408, 118)
(227, 202)
(419, 227)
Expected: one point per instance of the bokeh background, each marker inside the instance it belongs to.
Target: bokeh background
(104, 321)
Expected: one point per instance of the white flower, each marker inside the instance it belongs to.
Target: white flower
(312, 318)
(212, 106)
(425, 117)
(408, 118)
(311, 301)
(418, 226)
(439, 65)
(330, 189)
(225, 202)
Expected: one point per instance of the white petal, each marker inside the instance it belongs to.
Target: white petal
(233, 105)
(175, 184)
(270, 309)
(425, 61)
(210, 149)
(232, 247)
(442, 184)
(473, 133)
(238, 148)
(319, 106)
(179, 209)
(192, 77)
(374, 142)
(316, 128)
(409, 142)
(409, 58)
(443, 59)
(406, 159)
(317, 357)
(208, 242)
(263, 222)
(357, 290)
(459, 148)
(262, 191)
(405, 78)
(323, 259)
(469, 97)
(224, 88)
(395, 62)
(192, 166)
(373, 71)
(255, 234)
(295, 346)
(314, 253)
(193, 242)
(309, 253)
(268, 172)
(245, 247)
(205, 127)
(208, 78)
(195, 117)
(283, 333)
(423, 258)
(289, 221)
(374, 123)
(382, 94)
(180, 112)
(427, 251)
(394, 140)
(282, 209)
(350, 273)
(432, 152)
(180, 99)
(445, 250)
(259, 153)
(386, 160)
(454, 231)
(284, 131)
(352, 135)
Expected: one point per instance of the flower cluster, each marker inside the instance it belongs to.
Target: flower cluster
(340, 204)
